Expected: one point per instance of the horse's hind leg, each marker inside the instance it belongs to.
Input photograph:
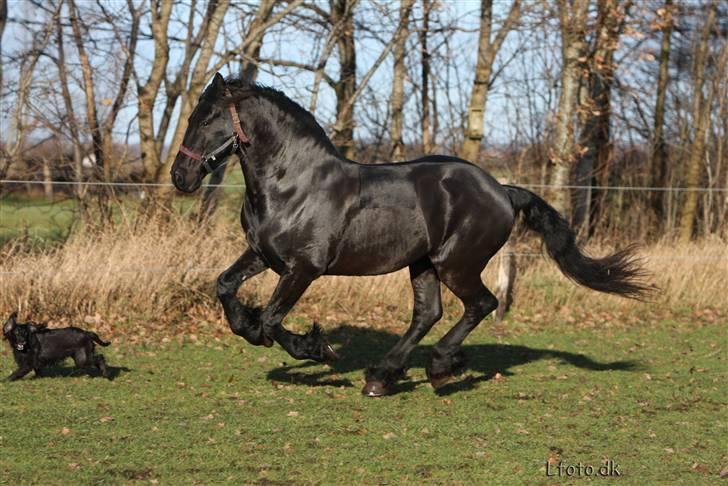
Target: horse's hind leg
(447, 357)
(427, 311)
(244, 321)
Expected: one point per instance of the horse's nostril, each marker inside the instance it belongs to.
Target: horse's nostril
(178, 179)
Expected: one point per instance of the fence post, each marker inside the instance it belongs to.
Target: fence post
(506, 278)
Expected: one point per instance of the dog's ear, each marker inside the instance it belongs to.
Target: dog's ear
(10, 323)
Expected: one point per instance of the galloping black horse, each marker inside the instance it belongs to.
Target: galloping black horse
(310, 212)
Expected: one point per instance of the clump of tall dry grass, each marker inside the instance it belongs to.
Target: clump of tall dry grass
(162, 270)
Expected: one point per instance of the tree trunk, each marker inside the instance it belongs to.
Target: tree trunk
(593, 165)
(249, 65)
(343, 136)
(107, 126)
(70, 113)
(487, 50)
(92, 119)
(506, 280)
(17, 131)
(573, 24)
(701, 118)
(658, 149)
(425, 77)
(147, 92)
(197, 83)
(397, 100)
(3, 21)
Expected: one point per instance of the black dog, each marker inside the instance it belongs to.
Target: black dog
(34, 347)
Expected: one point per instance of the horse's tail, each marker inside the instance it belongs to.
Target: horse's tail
(620, 273)
(95, 337)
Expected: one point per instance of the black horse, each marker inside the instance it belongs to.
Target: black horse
(310, 212)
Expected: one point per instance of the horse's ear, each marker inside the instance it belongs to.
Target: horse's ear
(10, 323)
(218, 81)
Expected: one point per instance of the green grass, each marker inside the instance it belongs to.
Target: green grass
(650, 398)
(36, 219)
(45, 222)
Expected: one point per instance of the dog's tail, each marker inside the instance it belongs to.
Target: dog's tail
(97, 339)
(619, 273)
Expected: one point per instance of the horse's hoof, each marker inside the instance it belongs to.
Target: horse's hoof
(375, 388)
(267, 342)
(439, 380)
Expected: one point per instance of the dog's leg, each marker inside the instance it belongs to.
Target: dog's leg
(19, 373)
(101, 365)
(83, 357)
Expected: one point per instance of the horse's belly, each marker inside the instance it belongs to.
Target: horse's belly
(380, 240)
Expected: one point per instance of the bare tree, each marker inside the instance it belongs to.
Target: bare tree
(128, 43)
(397, 98)
(572, 19)
(487, 50)
(92, 119)
(101, 131)
(658, 150)
(147, 92)
(15, 141)
(425, 122)
(592, 165)
(342, 12)
(3, 21)
(198, 79)
(701, 115)
(70, 118)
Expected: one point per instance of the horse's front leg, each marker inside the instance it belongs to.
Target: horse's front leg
(311, 345)
(243, 320)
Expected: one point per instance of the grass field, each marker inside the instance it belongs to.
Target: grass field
(200, 409)
(571, 377)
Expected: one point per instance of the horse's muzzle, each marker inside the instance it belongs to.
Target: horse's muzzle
(184, 179)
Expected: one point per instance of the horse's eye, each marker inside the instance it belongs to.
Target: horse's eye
(205, 123)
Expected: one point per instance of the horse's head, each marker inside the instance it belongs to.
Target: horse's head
(211, 136)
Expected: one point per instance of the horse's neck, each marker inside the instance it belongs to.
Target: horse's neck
(294, 163)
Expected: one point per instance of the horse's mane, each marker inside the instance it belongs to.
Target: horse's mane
(304, 121)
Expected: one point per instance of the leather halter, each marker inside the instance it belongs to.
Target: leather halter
(236, 139)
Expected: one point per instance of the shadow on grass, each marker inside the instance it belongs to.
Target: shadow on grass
(360, 348)
(71, 371)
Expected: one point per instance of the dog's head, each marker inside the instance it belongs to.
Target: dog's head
(19, 335)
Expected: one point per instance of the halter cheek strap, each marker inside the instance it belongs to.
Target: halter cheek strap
(237, 139)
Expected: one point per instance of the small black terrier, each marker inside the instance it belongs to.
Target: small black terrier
(35, 347)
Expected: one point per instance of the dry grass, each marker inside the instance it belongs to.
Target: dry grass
(164, 272)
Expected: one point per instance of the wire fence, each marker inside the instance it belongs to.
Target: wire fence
(147, 269)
